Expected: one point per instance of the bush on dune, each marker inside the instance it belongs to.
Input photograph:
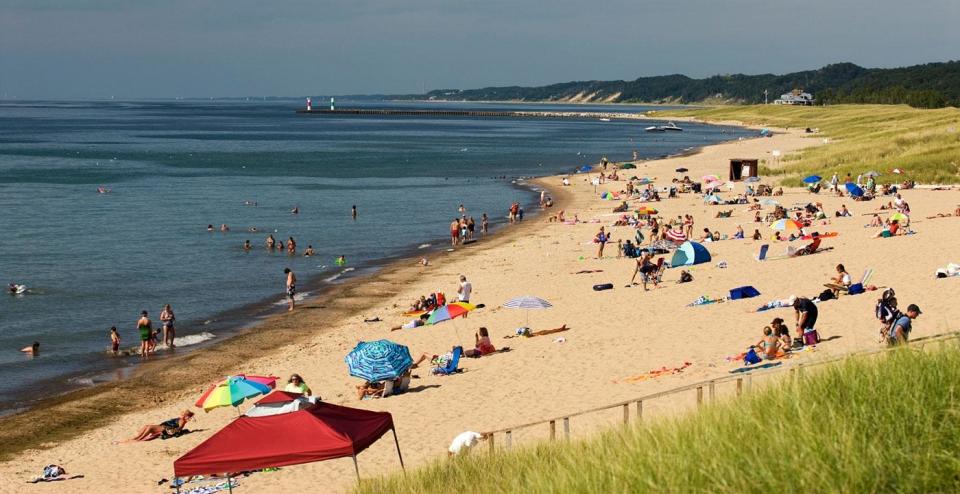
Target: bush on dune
(872, 424)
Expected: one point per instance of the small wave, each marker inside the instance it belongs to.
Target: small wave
(193, 339)
(82, 381)
(423, 246)
(297, 298)
(338, 275)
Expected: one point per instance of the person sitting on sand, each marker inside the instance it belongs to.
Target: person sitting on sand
(769, 344)
(171, 427)
(707, 236)
(876, 221)
(296, 385)
(757, 235)
(33, 349)
(739, 233)
(844, 212)
(482, 344)
(841, 279)
(370, 389)
(781, 331)
(890, 231)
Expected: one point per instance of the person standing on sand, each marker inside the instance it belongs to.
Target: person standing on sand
(900, 330)
(601, 239)
(291, 286)
(465, 289)
(485, 223)
(145, 328)
(169, 332)
(806, 314)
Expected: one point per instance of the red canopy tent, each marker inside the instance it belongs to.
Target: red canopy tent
(322, 432)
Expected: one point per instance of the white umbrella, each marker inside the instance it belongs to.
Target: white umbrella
(527, 302)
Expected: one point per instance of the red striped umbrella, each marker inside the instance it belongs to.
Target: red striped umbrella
(676, 236)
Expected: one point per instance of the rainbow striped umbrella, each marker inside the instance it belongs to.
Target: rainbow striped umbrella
(450, 311)
(646, 211)
(785, 225)
(231, 392)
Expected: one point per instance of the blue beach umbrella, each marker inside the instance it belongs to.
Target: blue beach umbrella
(584, 169)
(690, 253)
(812, 179)
(853, 189)
(379, 360)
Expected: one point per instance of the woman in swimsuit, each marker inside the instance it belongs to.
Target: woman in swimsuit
(167, 318)
(153, 431)
(271, 242)
(145, 328)
(770, 344)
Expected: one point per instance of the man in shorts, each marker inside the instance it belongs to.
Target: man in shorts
(806, 312)
(900, 330)
(291, 286)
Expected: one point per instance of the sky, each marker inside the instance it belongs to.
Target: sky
(207, 48)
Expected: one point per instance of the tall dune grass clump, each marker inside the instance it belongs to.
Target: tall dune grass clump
(871, 424)
(924, 143)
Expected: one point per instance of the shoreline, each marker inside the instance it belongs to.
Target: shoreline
(89, 407)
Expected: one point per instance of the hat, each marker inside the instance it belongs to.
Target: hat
(914, 308)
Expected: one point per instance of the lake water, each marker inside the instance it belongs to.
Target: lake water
(96, 260)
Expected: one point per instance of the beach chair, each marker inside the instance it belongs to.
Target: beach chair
(763, 252)
(451, 366)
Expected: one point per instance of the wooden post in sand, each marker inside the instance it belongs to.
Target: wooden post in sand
(553, 430)
(713, 391)
(492, 449)
(699, 396)
(739, 386)
(566, 428)
(626, 413)
(639, 409)
(509, 439)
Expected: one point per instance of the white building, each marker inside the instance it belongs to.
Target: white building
(795, 97)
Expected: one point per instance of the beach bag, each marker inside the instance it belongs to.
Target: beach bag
(751, 357)
(811, 337)
(685, 277)
(604, 286)
(826, 295)
(743, 292)
(855, 289)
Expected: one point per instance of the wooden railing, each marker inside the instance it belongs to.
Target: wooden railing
(743, 383)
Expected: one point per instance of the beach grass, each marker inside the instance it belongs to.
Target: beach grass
(923, 143)
(887, 423)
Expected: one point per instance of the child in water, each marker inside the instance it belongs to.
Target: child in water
(114, 340)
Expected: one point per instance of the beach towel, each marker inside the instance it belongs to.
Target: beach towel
(705, 300)
(756, 367)
(655, 373)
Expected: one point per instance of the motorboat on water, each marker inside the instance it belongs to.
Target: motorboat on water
(604, 119)
(672, 126)
(655, 128)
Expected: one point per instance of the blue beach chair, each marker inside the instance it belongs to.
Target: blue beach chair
(763, 252)
(451, 366)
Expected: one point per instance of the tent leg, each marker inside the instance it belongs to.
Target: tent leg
(230, 483)
(397, 442)
(356, 468)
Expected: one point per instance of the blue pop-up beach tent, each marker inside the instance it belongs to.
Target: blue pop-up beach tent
(690, 253)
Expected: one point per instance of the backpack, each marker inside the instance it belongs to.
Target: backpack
(685, 277)
(883, 311)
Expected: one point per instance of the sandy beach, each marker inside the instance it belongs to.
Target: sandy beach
(613, 334)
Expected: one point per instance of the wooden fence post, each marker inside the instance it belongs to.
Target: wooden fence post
(639, 410)
(509, 439)
(492, 442)
(713, 391)
(699, 395)
(566, 428)
(626, 413)
(553, 430)
(739, 386)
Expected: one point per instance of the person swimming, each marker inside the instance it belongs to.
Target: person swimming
(17, 289)
(33, 349)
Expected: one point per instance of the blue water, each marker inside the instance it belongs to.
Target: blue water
(96, 260)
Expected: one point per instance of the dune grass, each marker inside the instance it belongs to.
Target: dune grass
(924, 143)
(869, 424)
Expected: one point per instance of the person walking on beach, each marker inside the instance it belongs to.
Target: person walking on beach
(601, 239)
(145, 328)
(291, 286)
(465, 289)
(167, 318)
(900, 330)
